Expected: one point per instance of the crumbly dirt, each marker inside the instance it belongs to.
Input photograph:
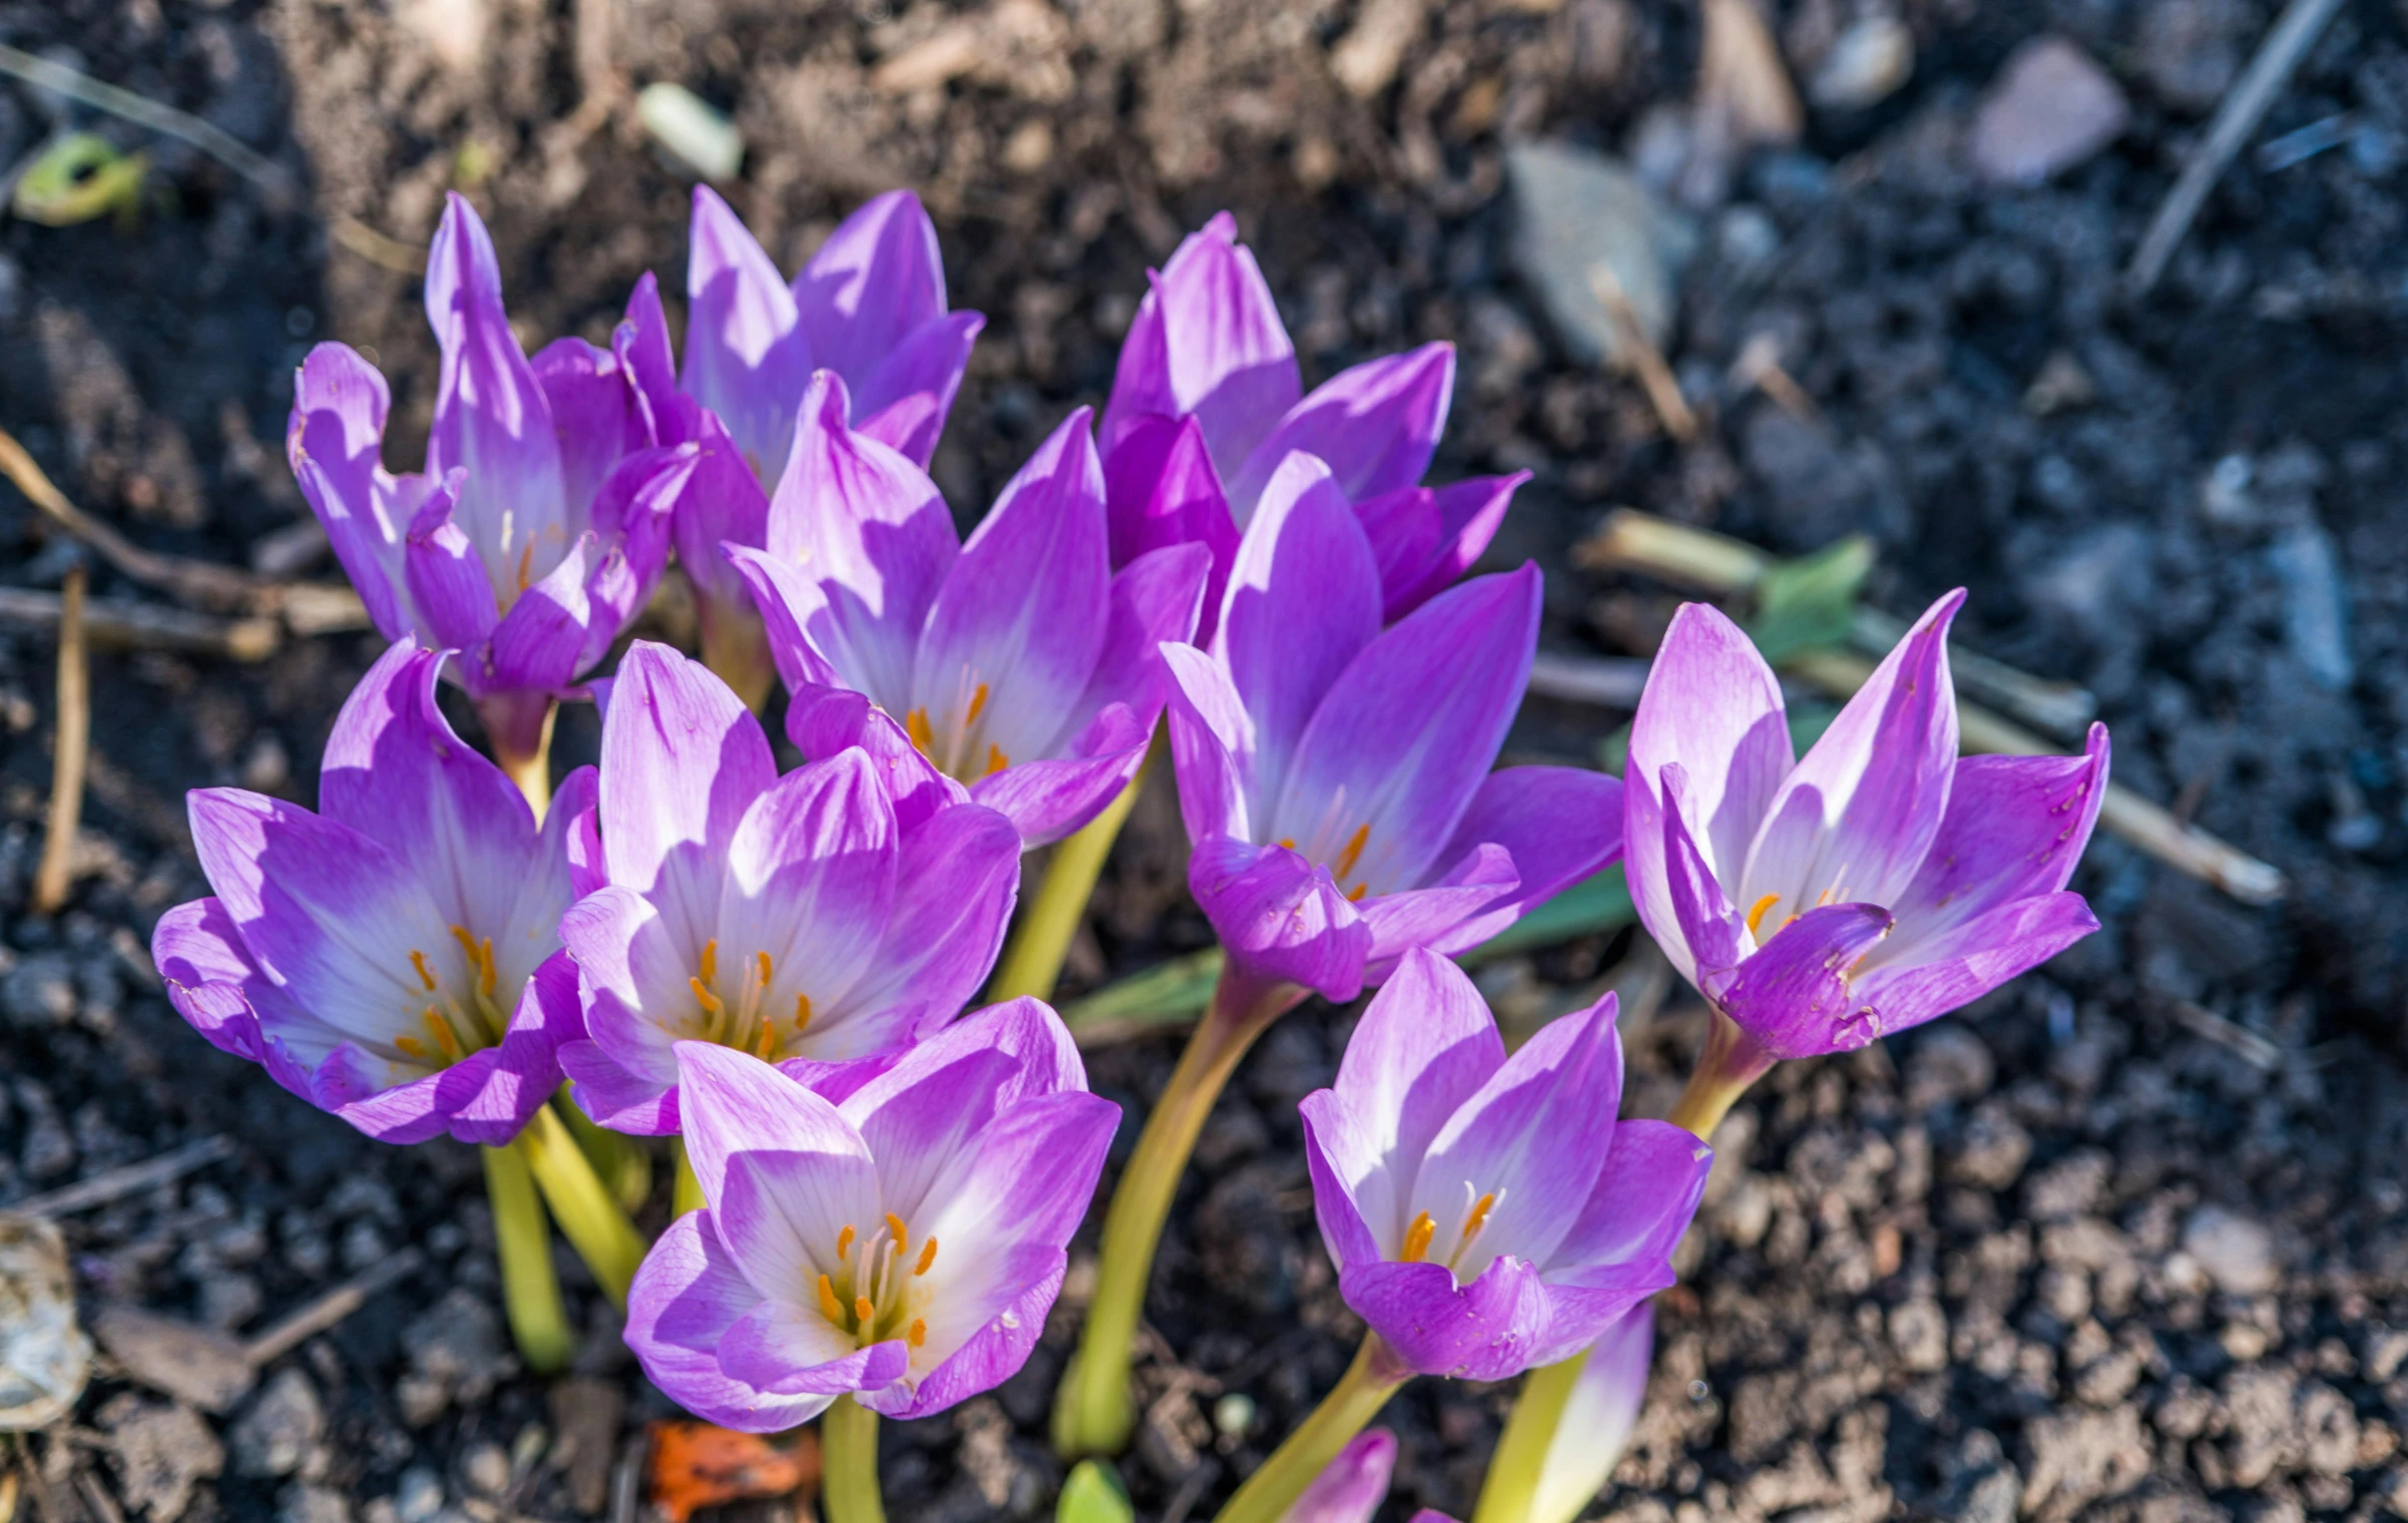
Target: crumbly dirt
(2126, 1242)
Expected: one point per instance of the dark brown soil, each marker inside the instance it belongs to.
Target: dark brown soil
(2064, 1257)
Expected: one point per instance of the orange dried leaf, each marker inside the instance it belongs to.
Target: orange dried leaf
(699, 1464)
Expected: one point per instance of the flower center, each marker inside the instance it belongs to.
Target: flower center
(875, 1293)
(1341, 865)
(960, 748)
(1757, 912)
(743, 1017)
(1423, 1234)
(452, 1022)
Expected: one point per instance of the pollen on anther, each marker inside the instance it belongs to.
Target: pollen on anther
(410, 1046)
(425, 975)
(918, 1333)
(766, 966)
(844, 1242)
(766, 1043)
(709, 961)
(863, 1310)
(829, 1306)
(704, 997)
(996, 760)
(1755, 914)
(978, 705)
(900, 1233)
(803, 1013)
(1479, 1216)
(1354, 848)
(928, 1257)
(1417, 1239)
(915, 725)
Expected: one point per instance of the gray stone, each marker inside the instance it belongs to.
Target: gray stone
(2189, 50)
(456, 1354)
(1992, 1151)
(419, 1494)
(1919, 1332)
(2079, 1457)
(1866, 63)
(1950, 1065)
(40, 992)
(161, 1452)
(487, 1469)
(312, 1504)
(2236, 1252)
(2315, 606)
(195, 1364)
(2050, 109)
(1576, 213)
(45, 1358)
(280, 1429)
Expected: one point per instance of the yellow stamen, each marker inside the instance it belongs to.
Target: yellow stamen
(927, 1257)
(1479, 1216)
(918, 1332)
(1356, 894)
(763, 958)
(1825, 897)
(487, 977)
(441, 1031)
(704, 997)
(1756, 916)
(901, 1236)
(978, 705)
(1289, 842)
(525, 566)
(996, 761)
(766, 1043)
(411, 1046)
(829, 1306)
(1417, 1237)
(863, 1310)
(710, 961)
(1354, 848)
(425, 975)
(915, 725)
(468, 943)
(803, 1013)
(844, 1243)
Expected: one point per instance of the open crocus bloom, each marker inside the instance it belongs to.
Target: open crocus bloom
(542, 519)
(1488, 1214)
(393, 959)
(1880, 881)
(901, 1242)
(1017, 665)
(1207, 400)
(1336, 778)
(805, 917)
(869, 306)
(1597, 1422)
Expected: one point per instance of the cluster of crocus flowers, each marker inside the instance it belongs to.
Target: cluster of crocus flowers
(541, 522)
(877, 1186)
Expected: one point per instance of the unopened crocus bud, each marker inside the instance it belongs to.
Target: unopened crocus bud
(1597, 1422)
(1487, 1212)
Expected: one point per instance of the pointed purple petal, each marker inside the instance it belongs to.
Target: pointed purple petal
(448, 584)
(1560, 825)
(210, 978)
(1446, 916)
(1485, 1331)
(340, 403)
(1348, 1169)
(957, 880)
(735, 1104)
(682, 760)
(1207, 341)
(810, 881)
(905, 400)
(1376, 424)
(1048, 800)
(1160, 490)
(1278, 914)
(594, 411)
(687, 1295)
(641, 345)
(1951, 970)
(878, 278)
(526, 1067)
(720, 503)
(746, 356)
(1351, 1487)
(1700, 922)
(1793, 996)
(790, 1349)
(1644, 1199)
(1211, 746)
(1425, 538)
(538, 642)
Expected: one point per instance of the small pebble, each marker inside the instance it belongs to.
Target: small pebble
(1233, 1414)
(487, 1469)
(2051, 109)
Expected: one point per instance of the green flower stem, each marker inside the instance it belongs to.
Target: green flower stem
(623, 1165)
(686, 1191)
(1732, 1061)
(530, 1290)
(1093, 1413)
(1369, 1381)
(588, 1216)
(848, 1444)
(531, 770)
(1032, 963)
(736, 647)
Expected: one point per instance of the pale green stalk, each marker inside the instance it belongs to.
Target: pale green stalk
(523, 1238)
(1369, 1381)
(848, 1448)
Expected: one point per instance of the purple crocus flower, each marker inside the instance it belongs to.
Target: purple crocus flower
(1881, 880)
(1597, 1422)
(1208, 401)
(820, 915)
(542, 519)
(869, 306)
(1351, 1487)
(901, 1242)
(1017, 665)
(393, 959)
(1488, 1214)
(1336, 778)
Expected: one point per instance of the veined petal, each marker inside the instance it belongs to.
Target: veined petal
(823, 720)
(1351, 1487)
(791, 1350)
(1018, 628)
(687, 1295)
(1211, 746)
(491, 417)
(1485, 1331)
(746, 355)
(1207, 341)
(340, 403)
(1376, 424)
(526, 1065)
(1278, 914)
(1425, 1045)
(1560, 825)
(596, 415)
(1041, 1059)
(1704, 934)
(1155, 599)
(1159, 489)
(682, 761)
(1644, 1199)
(1530, 1143)
(1598, 1421)
(878, 277)
(1049, 799)
(1425, 538)
(448, 586)
(979, 1336)
(957, 879)
(871, 528)
(734, 1104)
(1858, 814)
(905, 400)
(1353, 1180)
(811, 876)
(210, 977)
(538, 642)
(1444, 916)
(641, 345)
(1409, 730)
(1713, 709)
(2015, 827)
(1025, 1178)
(1951, 970)
(1302, 603)
(1793, 995)
(720, 503)
(790, 603)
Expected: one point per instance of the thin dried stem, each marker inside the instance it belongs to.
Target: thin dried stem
(71, 751)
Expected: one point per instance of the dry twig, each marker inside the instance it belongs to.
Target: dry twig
(2243, 107)
(129, 1179)
(331, 1308)
(71, 745)
(1663, 390)
(115, 625)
